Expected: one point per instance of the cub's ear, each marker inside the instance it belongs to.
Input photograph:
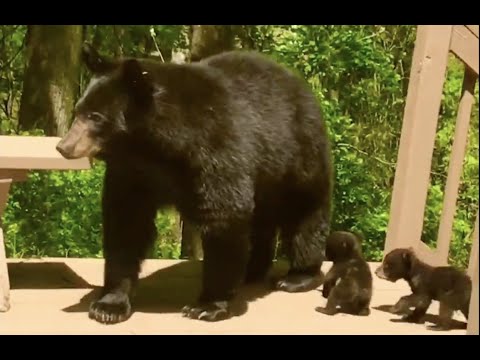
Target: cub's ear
(137, 80)
(96, 63)
(408, 257)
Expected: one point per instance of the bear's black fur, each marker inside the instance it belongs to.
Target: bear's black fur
(348, 283)
(235, 142)
(449, 286)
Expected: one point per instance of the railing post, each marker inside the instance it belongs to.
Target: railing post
(456, 161)
(417, 140)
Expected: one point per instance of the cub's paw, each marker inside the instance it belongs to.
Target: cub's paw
(446, 325)
(212, 311)
(413, 318)
(111, 309)
(400, 309)
(438, 327)
(364, 312)
(298, 282)
(326, 311)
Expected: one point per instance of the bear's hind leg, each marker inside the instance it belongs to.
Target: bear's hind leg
(225, 260)
(306, 252)
(262, 253)
(128, 231)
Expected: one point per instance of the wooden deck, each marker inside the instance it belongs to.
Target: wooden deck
(51, 296)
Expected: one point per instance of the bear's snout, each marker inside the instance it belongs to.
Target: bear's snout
(65, 150)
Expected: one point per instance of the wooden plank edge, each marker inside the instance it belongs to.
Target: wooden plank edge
(465, 46)
(44, 163)
(473, 29)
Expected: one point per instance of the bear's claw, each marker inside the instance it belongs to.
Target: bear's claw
(111, 309)
(215, 311)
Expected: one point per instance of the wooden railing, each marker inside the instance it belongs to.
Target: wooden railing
(19, 155)
(412, 177)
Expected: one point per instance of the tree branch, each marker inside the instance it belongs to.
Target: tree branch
(365, 153)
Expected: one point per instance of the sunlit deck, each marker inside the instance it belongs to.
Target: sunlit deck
(51, 296)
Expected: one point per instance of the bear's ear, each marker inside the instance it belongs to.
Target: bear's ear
(96, 63)
(137, 80)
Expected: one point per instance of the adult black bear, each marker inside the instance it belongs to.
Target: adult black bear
(235, 142)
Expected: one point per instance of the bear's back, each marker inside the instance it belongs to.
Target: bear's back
(279, 111)
(257, 77)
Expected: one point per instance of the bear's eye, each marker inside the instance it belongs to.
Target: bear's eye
(95, 116)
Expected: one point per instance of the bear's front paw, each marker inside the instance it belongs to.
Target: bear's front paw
(111, 309)
(213, 311)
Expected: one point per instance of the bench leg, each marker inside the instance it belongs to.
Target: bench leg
(4, 280)
(472, 328)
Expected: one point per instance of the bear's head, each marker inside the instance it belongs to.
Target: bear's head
(119, 92)
(342, 246)
(397, 264)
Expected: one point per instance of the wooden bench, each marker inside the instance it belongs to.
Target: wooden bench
(18, 155)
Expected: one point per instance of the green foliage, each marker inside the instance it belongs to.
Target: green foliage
(360, 75)
(12, 60)
(58, 213)
(136, 40)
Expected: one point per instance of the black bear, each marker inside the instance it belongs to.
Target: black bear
(235, 142)
(449, 286)
(348, 283)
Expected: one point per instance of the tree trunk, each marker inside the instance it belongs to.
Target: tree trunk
(191, 242)
(246, 41)
(206, 40)
(209, 40)
(51, 80)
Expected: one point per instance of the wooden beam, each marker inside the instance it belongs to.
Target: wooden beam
(4, 188)
(35, 152)
(464, 44)
(455, 165)
(412, 175)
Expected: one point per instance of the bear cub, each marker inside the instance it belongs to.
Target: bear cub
(445, 284)
(348, 284)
